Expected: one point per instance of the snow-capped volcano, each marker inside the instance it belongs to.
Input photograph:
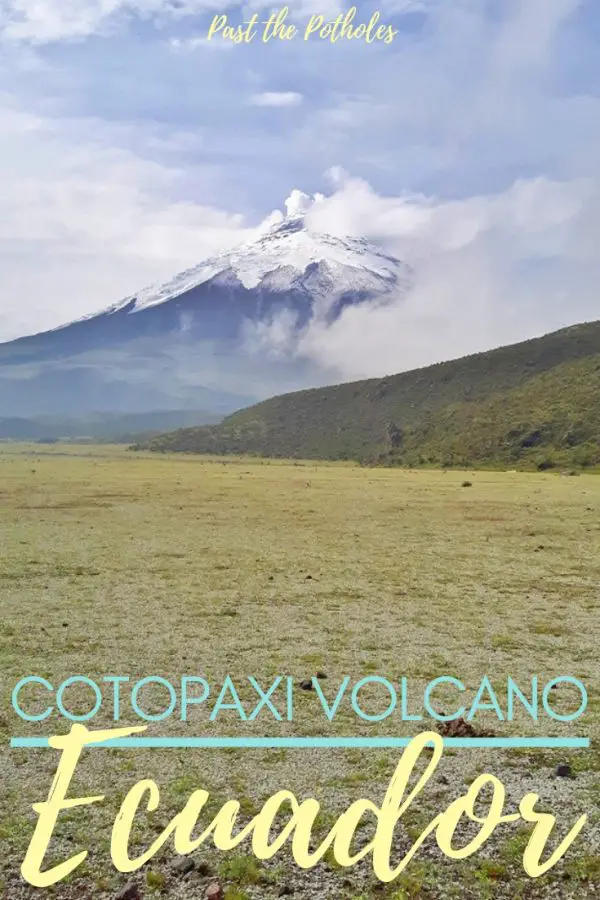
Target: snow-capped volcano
(184, 344)
(280, 261)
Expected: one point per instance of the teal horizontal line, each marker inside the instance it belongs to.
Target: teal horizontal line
(328, 743)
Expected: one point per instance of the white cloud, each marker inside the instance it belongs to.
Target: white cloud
(84, 222)
(276, 98)
(47, 21)
(199, 43)
(491, 269)
(43, 21)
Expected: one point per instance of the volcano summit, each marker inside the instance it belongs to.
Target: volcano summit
(218, 336)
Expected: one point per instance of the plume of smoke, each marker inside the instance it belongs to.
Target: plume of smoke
(490, 270)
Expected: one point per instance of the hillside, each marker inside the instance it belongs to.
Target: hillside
(533, 404)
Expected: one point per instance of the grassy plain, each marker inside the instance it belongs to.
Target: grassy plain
(115, 563)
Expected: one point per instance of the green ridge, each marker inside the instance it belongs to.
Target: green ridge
(530, 405)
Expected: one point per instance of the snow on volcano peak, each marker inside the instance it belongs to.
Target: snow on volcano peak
(282, 259)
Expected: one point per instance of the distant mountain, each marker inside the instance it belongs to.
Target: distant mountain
(195, 342)
(535, 404)
(105, 427)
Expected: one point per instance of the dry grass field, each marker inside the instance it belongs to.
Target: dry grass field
(115, 563)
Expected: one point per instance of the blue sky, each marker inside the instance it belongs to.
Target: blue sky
(132, 148)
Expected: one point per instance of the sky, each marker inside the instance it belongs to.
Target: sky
(132, 148)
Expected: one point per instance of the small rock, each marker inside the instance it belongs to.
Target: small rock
(467, 484)
(307, 684)
(443, 780)
(564, 771)
(309, 578)
(65, 624)
(285, 890)
(204, 869)
(321, 676)
(183, 865)
(214, 892)
(129, 892)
